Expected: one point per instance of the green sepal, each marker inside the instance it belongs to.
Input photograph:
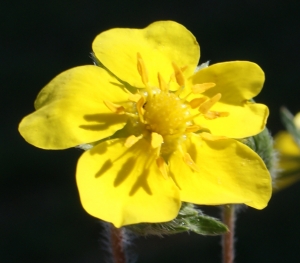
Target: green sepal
(288, 121)
(188, 219)
(262, 144)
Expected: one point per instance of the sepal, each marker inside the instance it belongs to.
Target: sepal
(262, 144)
(189, 219)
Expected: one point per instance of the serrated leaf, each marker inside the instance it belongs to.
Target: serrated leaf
(189, 219)
(206, 225)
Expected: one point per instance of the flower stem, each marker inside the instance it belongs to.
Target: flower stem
(117, 245)
(228, 216)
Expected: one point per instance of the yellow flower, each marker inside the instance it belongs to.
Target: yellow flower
(160, 132)
(289, 157)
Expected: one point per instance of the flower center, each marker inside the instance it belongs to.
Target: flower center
(165, 114)
(163, 118)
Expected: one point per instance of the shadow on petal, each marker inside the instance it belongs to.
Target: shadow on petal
(125, 171)
(105, 120)
(141, 182)
(192, 151)
(105, 167)
(99, 150)
(174, 179)
(117, 84)
(218, 146)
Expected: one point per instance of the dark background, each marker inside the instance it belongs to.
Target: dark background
(41, 219)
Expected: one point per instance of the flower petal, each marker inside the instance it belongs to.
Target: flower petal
(286, 181)
(238, 82)
(289, 152)
(229, 172)
(286, 145)
(297, 120)
(124, 186)
(159, 44)
(70, 109)
(242, 121)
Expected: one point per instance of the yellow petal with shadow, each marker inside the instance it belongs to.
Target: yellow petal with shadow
(229, 173)
(124, 185)
(237, 82)
(243, 120)
(70, 109)
(159, 44)
(288, 153)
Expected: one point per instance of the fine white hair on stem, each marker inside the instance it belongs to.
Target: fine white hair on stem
(106, 243)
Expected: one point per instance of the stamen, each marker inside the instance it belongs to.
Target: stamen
(204, 108)
(156, 140)
(200, 88)
(140, 109)
(132, 115)
(131, 140)
(134, 97)
(189, 161)
(142, 69)
(193, 128)
(211, 115)
(162, 84)
(209, 137)
(178, 75)
(172, 78)
(114, 107)
(195, 103)
(183, 68)
(162, 166)
(177, 93)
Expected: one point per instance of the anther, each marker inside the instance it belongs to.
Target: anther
(204, 108)
(193, 128)
(178, 75)
(142, 69)
(183, 68)
(189, 161)
(162, 166)
(200, 88)
(162, 84)
(209, 137)
(211, 115)
(156, 140)
(114, 107)
(140, 109)
(195, 103)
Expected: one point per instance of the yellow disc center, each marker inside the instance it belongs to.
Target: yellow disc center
(165, 114)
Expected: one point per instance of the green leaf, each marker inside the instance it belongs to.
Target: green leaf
(206, 225)
(188, 219)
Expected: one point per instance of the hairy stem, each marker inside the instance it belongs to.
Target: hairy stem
(117, 245)
(228, 216)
